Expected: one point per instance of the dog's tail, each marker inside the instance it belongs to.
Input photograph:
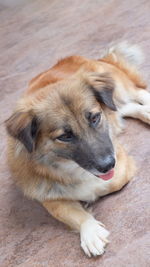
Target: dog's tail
(131, 53)
(126, 57)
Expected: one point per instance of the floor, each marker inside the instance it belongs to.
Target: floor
(34, 34)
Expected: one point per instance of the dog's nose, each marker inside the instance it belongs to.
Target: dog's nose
(106, 164)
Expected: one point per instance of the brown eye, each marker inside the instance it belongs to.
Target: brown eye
(66, 137)
(94, 119)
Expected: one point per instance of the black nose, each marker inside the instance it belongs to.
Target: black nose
(106, 164)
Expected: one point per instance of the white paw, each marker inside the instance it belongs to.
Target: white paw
(93, 237)
(144, 114)
(144, 97)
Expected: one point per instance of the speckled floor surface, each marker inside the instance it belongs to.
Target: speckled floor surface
(34, 34)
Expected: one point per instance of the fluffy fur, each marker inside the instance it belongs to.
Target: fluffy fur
(57, 181)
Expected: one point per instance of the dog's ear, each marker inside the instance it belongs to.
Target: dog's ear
(102, 86)
(24, 127)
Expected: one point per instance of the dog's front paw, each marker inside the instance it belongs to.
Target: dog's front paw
(144, 113)
(93, 237)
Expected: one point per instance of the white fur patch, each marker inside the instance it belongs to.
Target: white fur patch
(137, 111)
(93, 237)
(143, 97)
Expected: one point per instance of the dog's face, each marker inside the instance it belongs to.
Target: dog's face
(68, 122)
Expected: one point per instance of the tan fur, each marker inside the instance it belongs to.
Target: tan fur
(35, 179)
(69, 212)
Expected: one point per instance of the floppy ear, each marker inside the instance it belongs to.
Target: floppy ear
(103, 86)
(24, 127)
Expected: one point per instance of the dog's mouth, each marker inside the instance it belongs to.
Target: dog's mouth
(106, 176)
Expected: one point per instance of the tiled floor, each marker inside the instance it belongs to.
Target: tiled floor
(34, 34)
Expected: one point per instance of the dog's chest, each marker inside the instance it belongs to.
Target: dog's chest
(84, 187)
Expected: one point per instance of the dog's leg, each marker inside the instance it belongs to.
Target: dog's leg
(92, 233)
(143, 97)
(137, 111)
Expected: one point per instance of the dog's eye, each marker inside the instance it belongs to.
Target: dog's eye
(66, 137)
(94, 119)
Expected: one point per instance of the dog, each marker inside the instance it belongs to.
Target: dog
(62, 136)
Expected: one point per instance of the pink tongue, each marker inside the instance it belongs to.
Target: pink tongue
(107, 176)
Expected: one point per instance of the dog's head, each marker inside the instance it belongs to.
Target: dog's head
(66, 121)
